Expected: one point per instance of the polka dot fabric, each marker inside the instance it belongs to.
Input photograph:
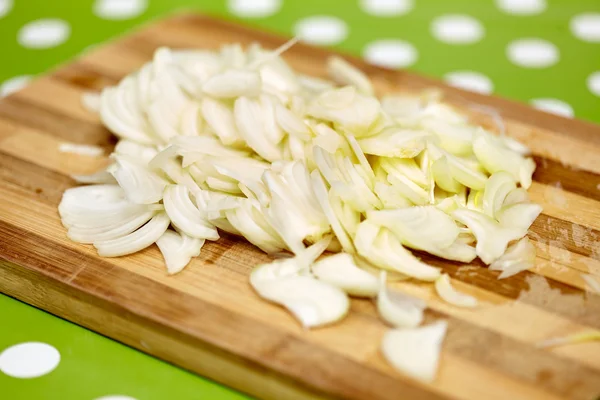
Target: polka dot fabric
(46, 358)
(545, 53)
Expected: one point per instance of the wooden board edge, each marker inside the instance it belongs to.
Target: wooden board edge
(147, 336)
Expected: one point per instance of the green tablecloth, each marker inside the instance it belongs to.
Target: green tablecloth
(543, 52)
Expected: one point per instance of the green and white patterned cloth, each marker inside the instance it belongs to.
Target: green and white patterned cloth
(542, 52)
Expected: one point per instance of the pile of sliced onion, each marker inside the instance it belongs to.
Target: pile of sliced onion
(236, 141)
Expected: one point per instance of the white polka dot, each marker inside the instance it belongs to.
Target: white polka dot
(44, 33)
(115, 397)
(532, 53)
(593, 83)
(470, 80)
(554, 106)
(386, 8)
(457, 29)
(586, 27)
(391, 53)
(254, 8)
(321, 30)
(5, 7)
(119, 9)
(14, 84)
(522, 7)
(29, 360)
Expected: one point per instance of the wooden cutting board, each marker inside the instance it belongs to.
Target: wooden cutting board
(208, 320)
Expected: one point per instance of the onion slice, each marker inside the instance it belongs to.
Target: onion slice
(419, 227)
(380, 247)
(340, 270)
(518, 257)
(233, 83)
(344, 73)
(178, 249)
(185, 215)
(498, 186)
(398, 309)
(415, 351)
(313, 302)
(580, 337)
(136, 241)
(492, 238)
(447, 292)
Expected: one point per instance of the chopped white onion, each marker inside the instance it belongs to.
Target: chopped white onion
(415, 351)
(398, 309)
(344, 73)
(287, 282)
(81, 149)
(518, 257)
(447, 292)
(178, 249)
(340, 270)
(235, 139)
(135, 241)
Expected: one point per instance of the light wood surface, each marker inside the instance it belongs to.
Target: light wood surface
(208, 319)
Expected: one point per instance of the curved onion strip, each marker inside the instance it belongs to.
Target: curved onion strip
(406, 167)
(520, 215)
(382, 249)
(291, 123)
(579, 337)
(220, 118)
(115, 124)
(347, 108)
(390, 197)
(447, 292)
(416, 351)
(233, 83)
(273, 131)
(413, 192)
(136, 241)
(178, 249)
(492, 238)
(141, 185)
(185, 215)
(460, 250)
(102, 176)
(465, 174)
(518, 195)
(497, 188)
(518, 257)
(191, 121)
(323, 198)
(419, 227)
(251, 223)
(121, 228)
(341, 271)
(314, 303)
(344, 73)
(250, 123)
(443, 177)
(495, 157)
(94, 217)
(400, 311)
(395, 142)
(454, 138)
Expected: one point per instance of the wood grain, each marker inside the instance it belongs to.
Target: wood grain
(207, 319)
